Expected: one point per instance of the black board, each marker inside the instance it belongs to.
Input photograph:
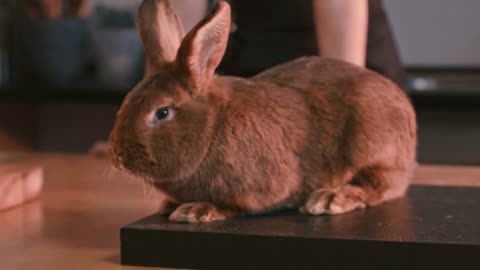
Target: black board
(431, 227)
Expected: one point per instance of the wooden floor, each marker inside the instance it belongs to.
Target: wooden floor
(75, 223)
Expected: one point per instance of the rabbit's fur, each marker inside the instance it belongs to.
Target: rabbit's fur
(315, 134)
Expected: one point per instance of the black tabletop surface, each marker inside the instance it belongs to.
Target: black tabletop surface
(431, 226)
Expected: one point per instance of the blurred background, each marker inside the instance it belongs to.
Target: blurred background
(65, 69)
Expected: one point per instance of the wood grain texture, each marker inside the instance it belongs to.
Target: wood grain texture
(18, 185)
(76, 222)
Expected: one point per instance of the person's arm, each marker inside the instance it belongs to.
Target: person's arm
(190, 12)
(341, 29)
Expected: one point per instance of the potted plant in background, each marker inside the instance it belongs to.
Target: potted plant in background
(51, 40)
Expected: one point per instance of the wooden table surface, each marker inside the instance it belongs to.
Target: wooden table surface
(75, 223)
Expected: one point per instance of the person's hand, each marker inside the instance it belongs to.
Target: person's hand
(100, 149)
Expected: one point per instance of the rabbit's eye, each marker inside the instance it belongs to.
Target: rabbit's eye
(160, 115)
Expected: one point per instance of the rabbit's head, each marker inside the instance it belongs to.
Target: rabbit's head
(164, 126)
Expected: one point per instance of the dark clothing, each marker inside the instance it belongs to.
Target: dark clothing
(382, 53)
(271, 32)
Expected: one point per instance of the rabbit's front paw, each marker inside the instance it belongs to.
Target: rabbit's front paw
(333, 201)
(197, 212)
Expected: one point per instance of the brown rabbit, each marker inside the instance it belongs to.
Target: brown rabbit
(315, 134)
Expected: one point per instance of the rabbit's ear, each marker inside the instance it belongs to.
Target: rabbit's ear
(161, 32)
(204, 46)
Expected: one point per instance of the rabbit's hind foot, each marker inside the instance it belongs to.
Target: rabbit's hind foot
(334, 201)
